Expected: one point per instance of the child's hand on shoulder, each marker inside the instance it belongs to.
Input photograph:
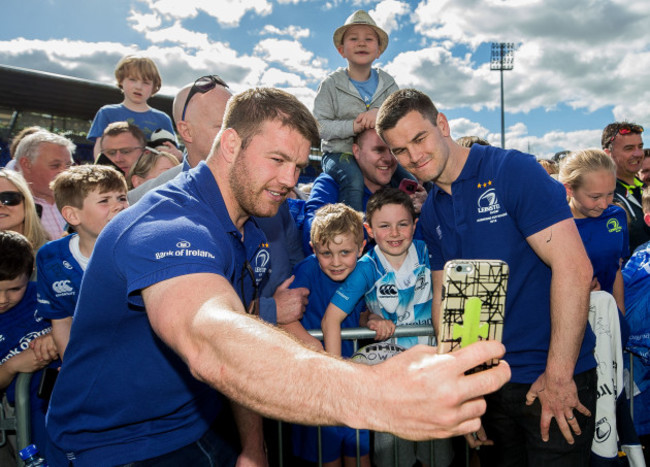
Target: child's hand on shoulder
(384, 328)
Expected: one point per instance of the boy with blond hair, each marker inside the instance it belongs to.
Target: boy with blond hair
(395, 279)
(88, 196)
(139, 79)
(337, 240)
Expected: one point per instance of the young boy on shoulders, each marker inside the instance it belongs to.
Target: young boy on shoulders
(26, 344)
(347, 102)
(337, 241)
(395, 279)
(139, 79)
(88, 196)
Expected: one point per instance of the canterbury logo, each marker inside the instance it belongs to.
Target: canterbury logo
(62, 287)
(387, 289)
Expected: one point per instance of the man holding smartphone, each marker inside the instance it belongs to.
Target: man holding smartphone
(164, 321)
(480, 209)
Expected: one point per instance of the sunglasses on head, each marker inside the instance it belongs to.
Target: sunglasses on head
(11, 198)
(626, 129)
(203, 84)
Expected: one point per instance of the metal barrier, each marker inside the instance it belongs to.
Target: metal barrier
(356, 334)
(20, 423)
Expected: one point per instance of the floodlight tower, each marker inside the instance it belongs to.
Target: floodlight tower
(502, 58)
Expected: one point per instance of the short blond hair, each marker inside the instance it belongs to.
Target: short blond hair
(139, 67)
(336, 219)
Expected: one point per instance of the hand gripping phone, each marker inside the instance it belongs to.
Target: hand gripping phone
(473, 304)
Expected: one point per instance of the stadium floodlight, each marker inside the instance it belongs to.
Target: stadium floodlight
(502, 58)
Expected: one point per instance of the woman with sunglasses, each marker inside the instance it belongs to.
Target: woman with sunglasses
(17, 209)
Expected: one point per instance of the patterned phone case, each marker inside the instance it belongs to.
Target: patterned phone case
(473, 304)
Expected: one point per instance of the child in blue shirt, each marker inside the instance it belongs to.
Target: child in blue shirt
(395, 279)
(26, 344)
(347, 102)
(589, 177)
(337, 240)
(139, 79)
(88, 196)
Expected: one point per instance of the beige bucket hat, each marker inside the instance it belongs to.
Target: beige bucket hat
(361, 17)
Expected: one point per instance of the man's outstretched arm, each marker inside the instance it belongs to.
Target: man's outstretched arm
(423, 395)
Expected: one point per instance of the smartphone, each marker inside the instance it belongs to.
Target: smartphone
(46, 385)
(473, 304)
(408, 186)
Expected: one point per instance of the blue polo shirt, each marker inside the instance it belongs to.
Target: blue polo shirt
(499, 199)
(123, 395)
(325, 190)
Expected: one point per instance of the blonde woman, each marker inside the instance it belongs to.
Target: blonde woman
(149, 165)
(589, 177)
(17, 209)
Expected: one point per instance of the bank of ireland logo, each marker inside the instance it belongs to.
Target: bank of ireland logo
(613, 226)
(62, 287)
(488, 202)
(67, 265)
(183, 244)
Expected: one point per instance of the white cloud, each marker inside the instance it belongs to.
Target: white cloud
(386, 14)
(293, 31)
(278, 78)
(226, 12)
(290, 54)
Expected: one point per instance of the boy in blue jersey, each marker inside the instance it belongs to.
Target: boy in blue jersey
(138, 79)
(337, 241)
(88, 196)
(26, 344)
(395, 279)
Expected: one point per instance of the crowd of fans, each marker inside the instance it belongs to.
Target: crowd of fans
(576, 224)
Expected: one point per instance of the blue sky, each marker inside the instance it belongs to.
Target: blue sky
(578, 65)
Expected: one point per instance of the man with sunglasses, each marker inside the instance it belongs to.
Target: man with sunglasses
(161, 322)
(624, 143)
(198, 112)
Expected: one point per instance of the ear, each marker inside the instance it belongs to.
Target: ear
(608, 151)
(443, 124)
(311, 245)
(71, 215)
(25, 164)
(569, 190)
(184, 130)
(356, 150)
(340, 49)
(136, 180)
(368, 229)
(363, 245)
(230, 144)
(646, 218)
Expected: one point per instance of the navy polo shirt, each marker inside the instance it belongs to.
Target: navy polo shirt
(123, 395)
(499, 199)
